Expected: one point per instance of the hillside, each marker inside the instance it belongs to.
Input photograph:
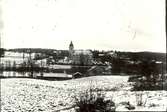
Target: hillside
(48, 96)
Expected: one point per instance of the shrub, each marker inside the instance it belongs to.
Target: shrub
(93, 101)
(140, 100)
(148, 85)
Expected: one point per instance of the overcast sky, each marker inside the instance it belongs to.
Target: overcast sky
(131, 25)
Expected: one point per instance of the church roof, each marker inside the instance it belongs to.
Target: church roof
(84, 52)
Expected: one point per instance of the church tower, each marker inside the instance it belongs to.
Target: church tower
(71, 50)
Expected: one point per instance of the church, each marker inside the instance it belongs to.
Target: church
(80, 57)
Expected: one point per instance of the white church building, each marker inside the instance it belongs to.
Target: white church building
(80, 57)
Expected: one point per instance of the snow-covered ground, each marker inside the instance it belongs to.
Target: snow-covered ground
(32, 95)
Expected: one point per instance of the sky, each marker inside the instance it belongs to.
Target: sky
(124, 25)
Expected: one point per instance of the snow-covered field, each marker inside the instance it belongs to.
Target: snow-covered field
(32, 95)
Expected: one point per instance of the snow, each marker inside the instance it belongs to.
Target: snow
(23, 94)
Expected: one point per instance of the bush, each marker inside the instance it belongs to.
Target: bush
(149, 78)
(140, 99)
(93, 101)
(148, 85)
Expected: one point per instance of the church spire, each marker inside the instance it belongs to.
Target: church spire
(71, 50)
(71, 44)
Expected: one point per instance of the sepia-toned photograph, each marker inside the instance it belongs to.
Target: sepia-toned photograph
(83, 55)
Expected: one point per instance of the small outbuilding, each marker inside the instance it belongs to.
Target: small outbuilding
(77, 75)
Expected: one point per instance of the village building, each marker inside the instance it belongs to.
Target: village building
(80, 57)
